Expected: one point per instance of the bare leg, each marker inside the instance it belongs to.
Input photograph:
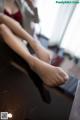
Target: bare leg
(40, 51)
(14, 42)
(51, 76)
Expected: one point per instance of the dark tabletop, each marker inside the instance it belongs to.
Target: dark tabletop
(75, 111)
(20, 95)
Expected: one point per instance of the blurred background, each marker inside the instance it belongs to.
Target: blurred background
(22, 93)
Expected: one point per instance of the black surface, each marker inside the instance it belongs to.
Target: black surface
(7, 55)
(70, 86)
(20, 96)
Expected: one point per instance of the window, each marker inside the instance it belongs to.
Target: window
(71, 40)
(47, 10)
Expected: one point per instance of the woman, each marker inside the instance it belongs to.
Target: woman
(11, 31)
(20, 10)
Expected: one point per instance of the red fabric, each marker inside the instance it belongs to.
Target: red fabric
(16, 16)
(57, 61)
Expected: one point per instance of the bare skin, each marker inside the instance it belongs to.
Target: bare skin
(40, 51)
(51, 76)
(11, 6)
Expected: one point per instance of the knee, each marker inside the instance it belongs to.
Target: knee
(48, 59)
(2, 27)
(1, 17)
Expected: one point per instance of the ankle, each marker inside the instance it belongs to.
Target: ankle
(31, 62)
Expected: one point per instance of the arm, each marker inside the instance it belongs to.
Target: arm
(16, 28)
(28, 8)
(32, 9)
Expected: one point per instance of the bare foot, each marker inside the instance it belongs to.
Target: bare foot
(51, 76)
